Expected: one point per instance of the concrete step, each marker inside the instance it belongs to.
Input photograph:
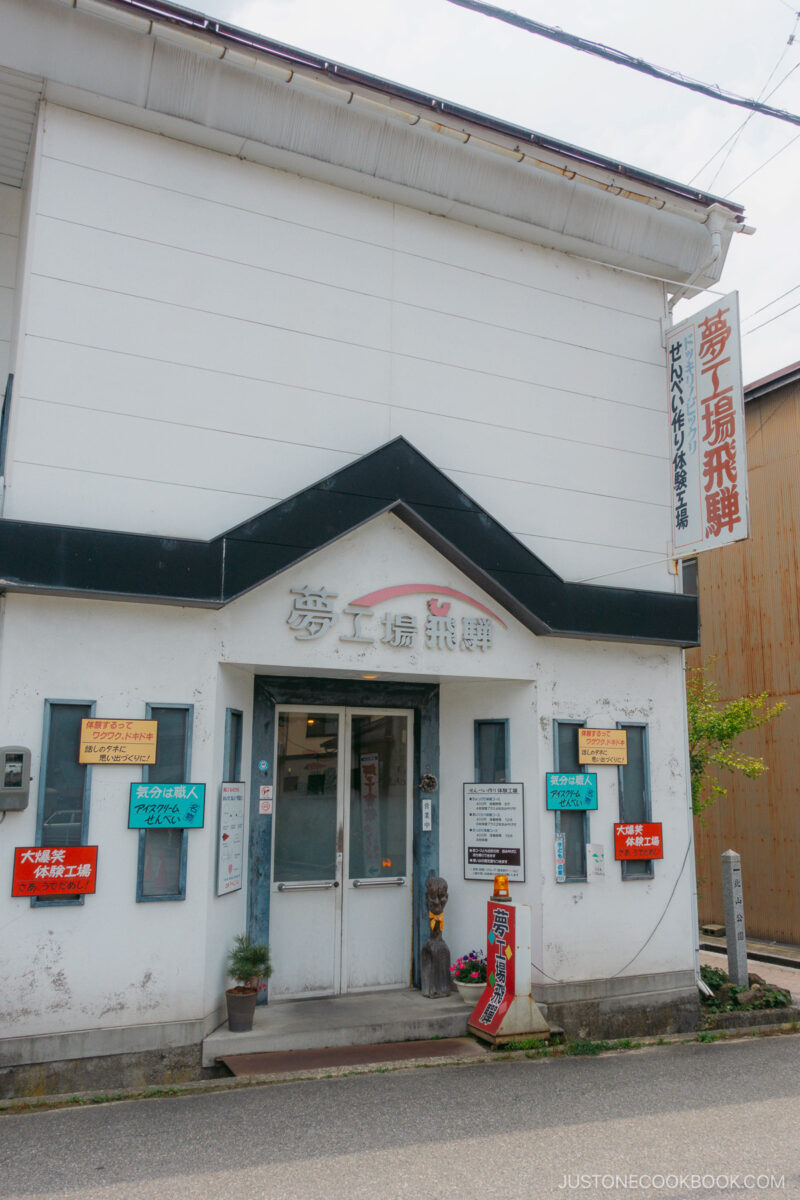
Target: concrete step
(353, 1020)
(289, 1062)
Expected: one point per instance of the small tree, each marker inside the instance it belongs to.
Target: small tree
(248, 962)
(713, 727)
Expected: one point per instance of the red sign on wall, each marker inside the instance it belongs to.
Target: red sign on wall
(638, 841)
(499, 991)
(54, 870)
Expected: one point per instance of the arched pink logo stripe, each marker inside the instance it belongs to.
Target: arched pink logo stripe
(413, 589)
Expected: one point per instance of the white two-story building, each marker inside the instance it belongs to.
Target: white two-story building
(334, 443)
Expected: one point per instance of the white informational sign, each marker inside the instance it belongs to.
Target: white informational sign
(595, 860)
(494, 831)
(561, 859)
(427, 814)
(265, 792)
(230, 849)
(708, 462)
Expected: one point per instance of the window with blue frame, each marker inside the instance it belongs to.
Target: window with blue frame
(163, 852)
(232, 754)
(491, 751)
(634, 795)
(64, 783)
(573, 825)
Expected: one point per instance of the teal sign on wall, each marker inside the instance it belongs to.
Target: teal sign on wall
(571, 791)
(167, 806)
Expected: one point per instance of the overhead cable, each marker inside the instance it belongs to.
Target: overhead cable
(769, 320)
(770, 303)
(766, 163)
(621, 59)
(734, 138)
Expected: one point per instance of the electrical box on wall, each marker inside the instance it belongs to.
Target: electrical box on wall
(15, 778)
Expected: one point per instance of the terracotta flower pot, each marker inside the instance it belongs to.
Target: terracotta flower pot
(241, 1008)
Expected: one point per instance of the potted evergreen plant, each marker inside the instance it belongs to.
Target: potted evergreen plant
(248, 963)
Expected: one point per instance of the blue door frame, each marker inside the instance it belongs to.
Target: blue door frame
(270, 691)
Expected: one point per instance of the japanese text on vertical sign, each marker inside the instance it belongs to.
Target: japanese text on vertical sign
(500, 967)
(708, 474)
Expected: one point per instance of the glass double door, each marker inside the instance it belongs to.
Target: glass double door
(340, 903)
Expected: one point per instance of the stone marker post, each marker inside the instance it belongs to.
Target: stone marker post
(734, 917)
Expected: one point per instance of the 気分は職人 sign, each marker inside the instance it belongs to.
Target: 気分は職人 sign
(566, 792)
(167, 806)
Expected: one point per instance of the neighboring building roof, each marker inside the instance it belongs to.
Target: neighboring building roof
(768, 383)
(233, 35)
(396, 478)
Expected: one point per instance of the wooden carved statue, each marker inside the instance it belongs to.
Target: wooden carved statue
(435, 956)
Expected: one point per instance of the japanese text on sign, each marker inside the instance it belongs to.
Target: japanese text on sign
(118, 742)
(707, 446)
(571, 791)
(603, 747)
(499, 991)
(167, 806)
(494, 833)
(230, 847)
(638, 841)
(314, 614)
(54, 870)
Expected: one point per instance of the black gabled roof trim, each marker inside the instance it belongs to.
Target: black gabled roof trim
(394, 478)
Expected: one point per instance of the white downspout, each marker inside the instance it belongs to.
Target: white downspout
(718, 221)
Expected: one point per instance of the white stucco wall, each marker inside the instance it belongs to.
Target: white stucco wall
(204, 336)
(113, 962)
(580, 930)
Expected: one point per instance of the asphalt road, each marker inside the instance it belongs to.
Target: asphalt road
(706, 1118)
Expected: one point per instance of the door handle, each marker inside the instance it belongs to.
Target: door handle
(399, 882)
(303, 887)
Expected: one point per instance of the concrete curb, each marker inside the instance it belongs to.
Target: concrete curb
(28, 1104)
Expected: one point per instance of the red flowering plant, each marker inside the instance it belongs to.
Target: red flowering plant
(470, 969)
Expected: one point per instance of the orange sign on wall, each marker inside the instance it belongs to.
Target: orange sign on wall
(117, 741)
(603, 747)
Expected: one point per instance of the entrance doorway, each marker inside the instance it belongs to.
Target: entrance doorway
(341, 897)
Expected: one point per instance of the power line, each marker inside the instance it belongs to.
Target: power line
(624, 60)
(770, 303)
(738, 133)
(766, 163)
(771, 319)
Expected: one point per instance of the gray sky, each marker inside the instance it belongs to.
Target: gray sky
(476, 61)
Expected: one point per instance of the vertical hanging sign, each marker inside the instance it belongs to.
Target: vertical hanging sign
(708, 465)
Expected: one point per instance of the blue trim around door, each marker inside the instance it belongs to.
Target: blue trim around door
(422, 699)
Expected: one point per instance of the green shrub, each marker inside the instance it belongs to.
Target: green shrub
(248, 961)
